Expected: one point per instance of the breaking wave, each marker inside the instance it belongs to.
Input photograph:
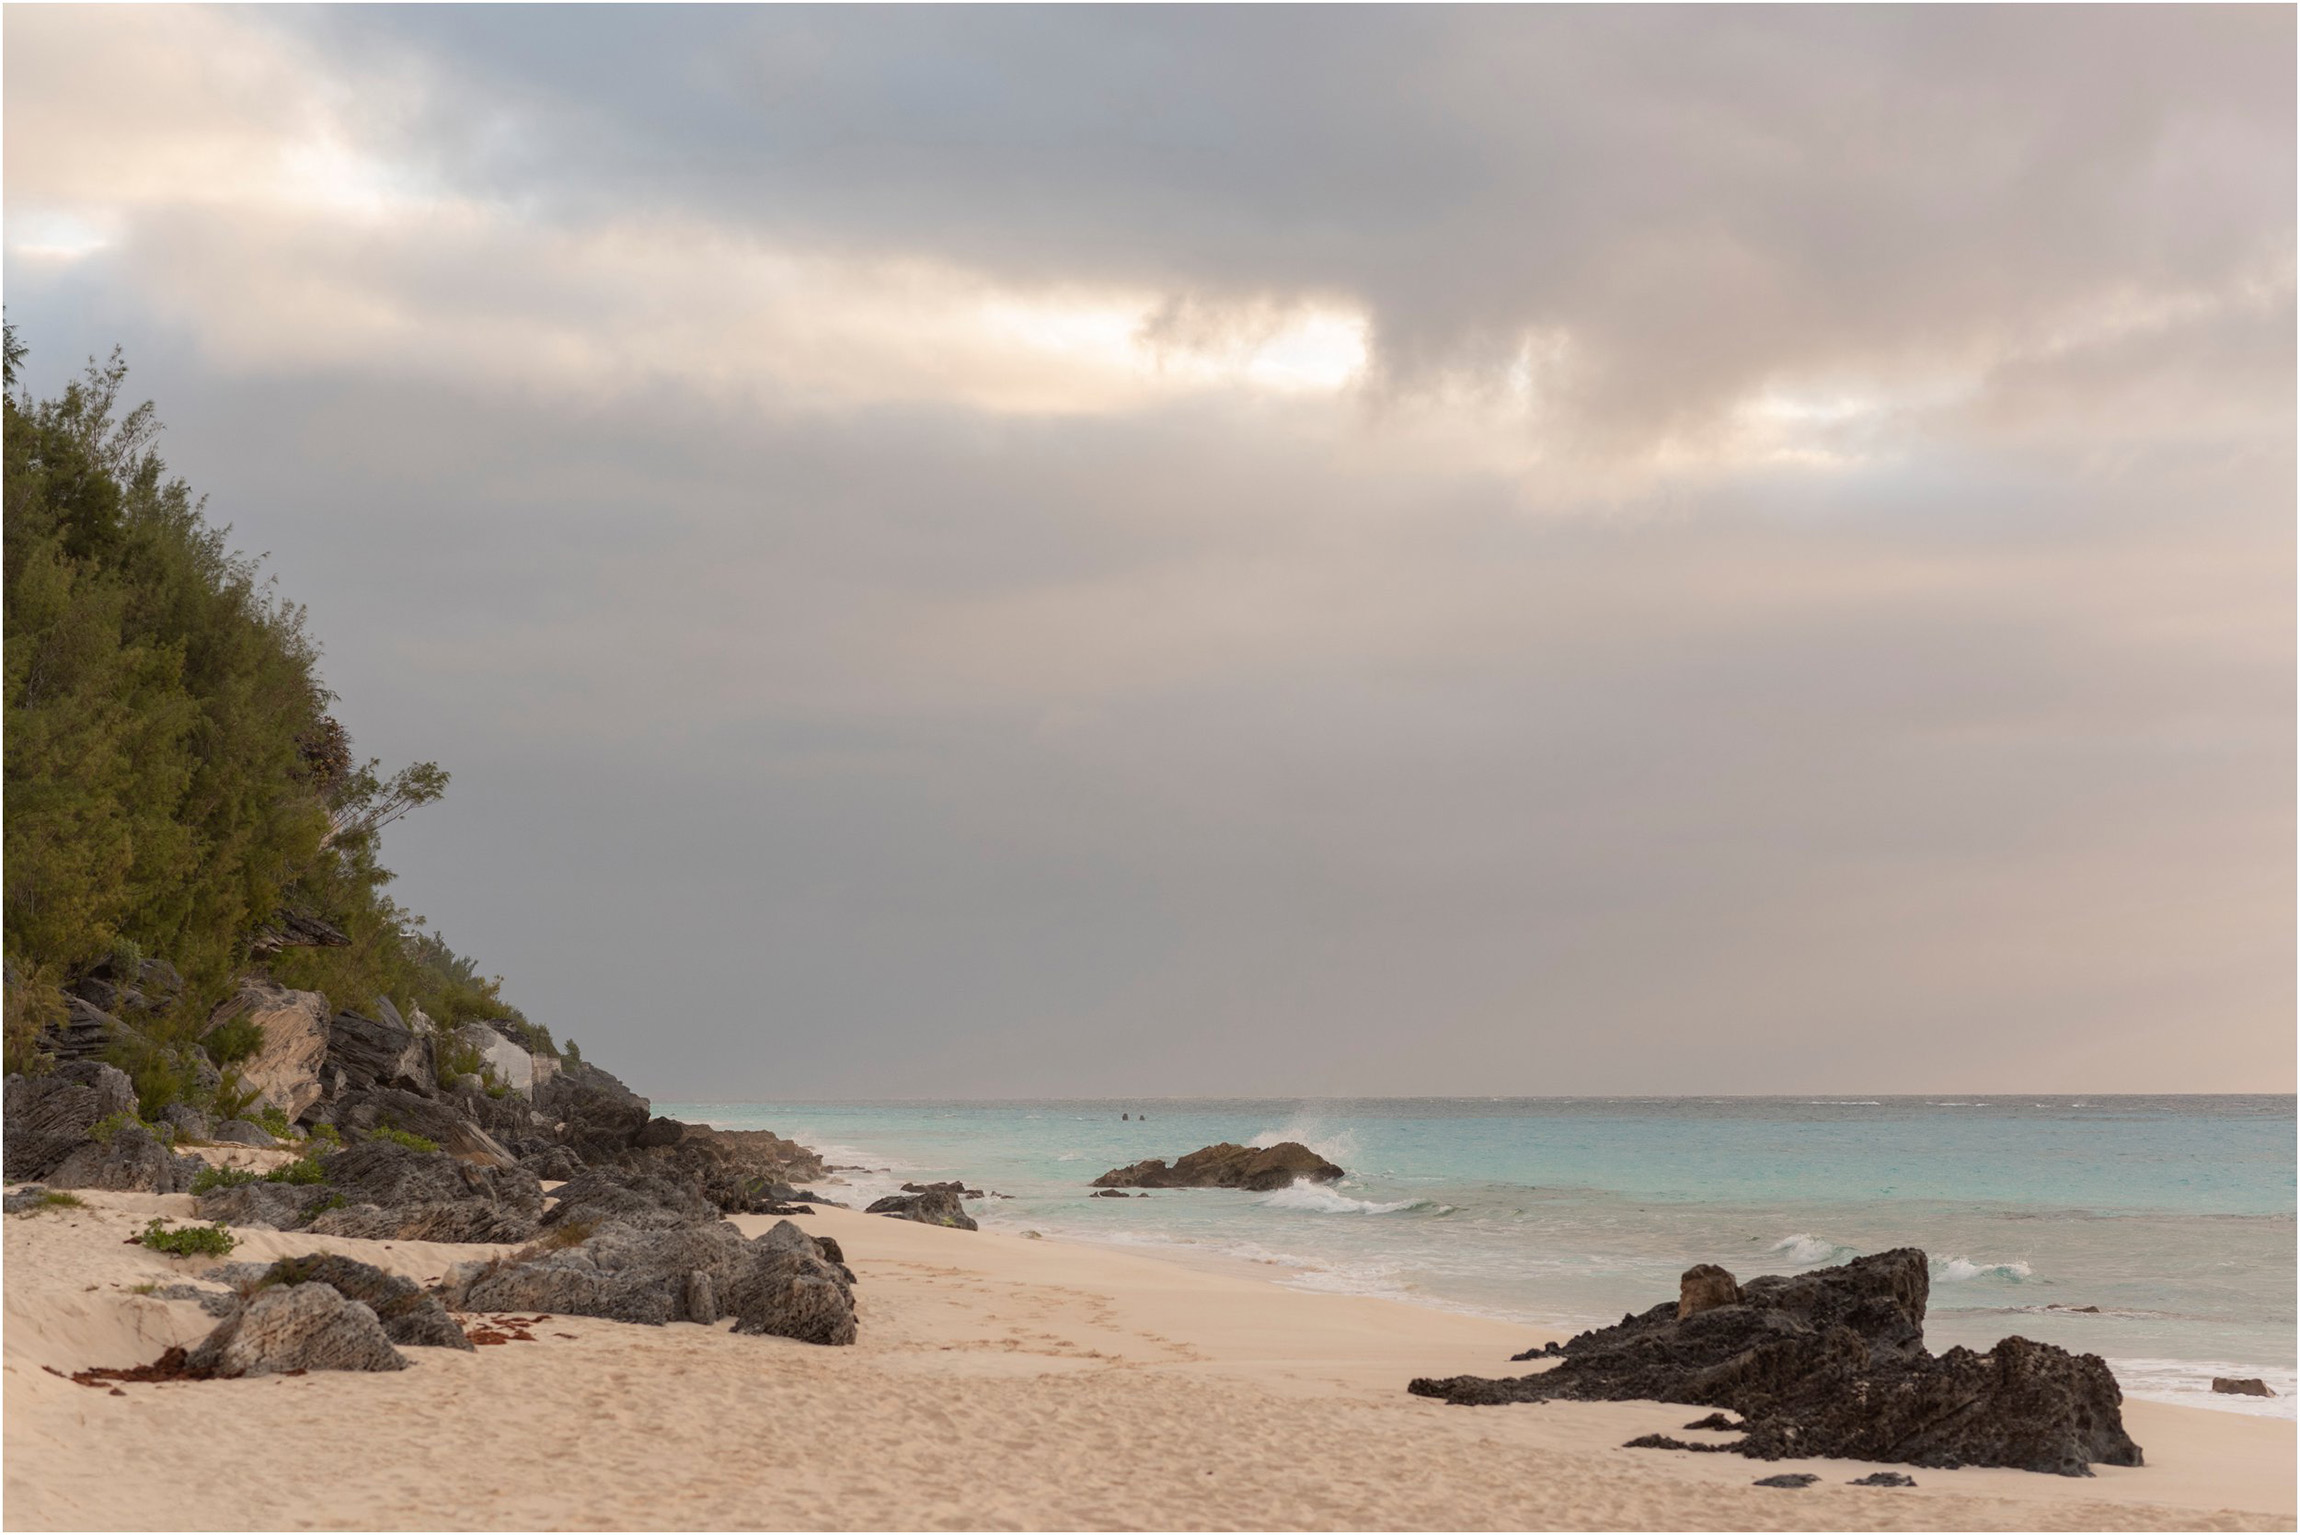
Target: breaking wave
(1320, 1199)
(1966, 1268)
(1805, 1250)
(1341, 1149)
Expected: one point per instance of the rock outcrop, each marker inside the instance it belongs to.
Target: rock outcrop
(2250, 1385)
(285, 1068)
(365, 1053)
(47, 1118)
(1227, 1166)
(439, 1120)
(1833, 1362)
(130, 1159)
(936, 1207)
(410, 1315)
(397, 1194)
(782, 1284)
(644, 1200)
(295, 1327)
(591, 1112)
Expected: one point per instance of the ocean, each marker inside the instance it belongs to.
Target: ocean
(2174, 1216)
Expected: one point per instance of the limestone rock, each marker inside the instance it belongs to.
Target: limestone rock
(510, 1063)
(46, 1118)
(427, 1196)
(281, 1206)
(1227, 1166)
(632, 1197)
(365, 1053)
(130, 1160)
(592, 1111)
(619, 1272)
(1832, 1363)
(286, 1066)
(939, 1208)
(2246, 1386)
(1704, 1287)
(296, 1327)
(410, 1315)
(787, 1293)
(435, 1119)
(188, 1123)
(240, 1132)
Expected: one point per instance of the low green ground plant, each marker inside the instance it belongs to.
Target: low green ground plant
(303, 1170)
(274, 1118)
(397, 1137)
(211, 1178)
(187, 1241)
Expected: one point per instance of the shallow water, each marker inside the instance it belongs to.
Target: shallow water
(2174, 1216)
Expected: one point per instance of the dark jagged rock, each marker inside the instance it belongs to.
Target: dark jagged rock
(281, 1206)
(131, 1160)
(1719, 1422)
(143, 989)
(87, 1031)
(1787, 1479)
(940, 1208)
(1704, 1287)
(410, 1315)
(428, 1196)
(783, 1284)
(953, 1187)
(658, 1132)
(640, 1199)
(1664, 1442)
(1548, 1350)
(31, 1198)
(296, 930)
(553, 1164)
(1110, 1194)
(591, 1111)
(1227, 1166)
(48, 1117)
(1833, 1362)
(2247, 1386)
(365, 1053)
(188, 1123)
(238, 1132)
(1883, 1479)
(216, 1303)
(435, 1119)
(740, 1171)
(292, 1328)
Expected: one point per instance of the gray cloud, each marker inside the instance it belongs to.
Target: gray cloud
(1915, 708)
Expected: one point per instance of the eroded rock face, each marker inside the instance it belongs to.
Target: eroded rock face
(365, 1053)
(130, 1160)
(794, 1294)
(47, 1118)
(936, 1207)
(238, 1132)
(396, 1194)
(410, 1316)
(286, 1068)
(281, 1206)
(295, 1327)
(634, 1198)
(1704, 1287)
(592, 1111)
(1833, 1362)
(435, 1119)
(1227, 1166)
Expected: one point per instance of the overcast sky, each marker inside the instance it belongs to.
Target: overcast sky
(1293, 551)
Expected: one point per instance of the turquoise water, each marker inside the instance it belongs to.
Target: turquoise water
(2174, 1216)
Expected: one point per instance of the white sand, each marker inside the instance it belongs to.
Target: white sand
(1001, 1382)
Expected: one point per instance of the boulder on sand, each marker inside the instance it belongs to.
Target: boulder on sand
(792, 1287)
(291, 1328)
(2247, 1386)
(591, 1111)
(1704, 1287)
(398, 1194)
(1227, 1166)
(634, 1198)
(48, 1117)
(938, 1207)
(410, 1315)
(1833, 1363)
(129, 1160)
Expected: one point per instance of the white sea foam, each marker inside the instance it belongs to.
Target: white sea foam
(1341, 1148)
(1320, 1199)
(2188, 1383)
(1804, 1250)
(1967, 1268)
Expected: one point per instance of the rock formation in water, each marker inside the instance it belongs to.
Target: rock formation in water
(1226, 1166)
(1833, 1362)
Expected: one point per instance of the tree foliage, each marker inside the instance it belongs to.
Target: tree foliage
(174, 778)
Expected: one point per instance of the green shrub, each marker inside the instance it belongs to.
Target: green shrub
(405, 1138)
(332, 1202)
(274, 1118)
(102, 1131)
(57, 1199)
(234, 1042)
(325, 1134)
(188, 1241)
(221, 1178)
(459, 1058)
(302, 1170)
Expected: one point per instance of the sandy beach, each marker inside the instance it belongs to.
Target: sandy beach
(1001, 1382)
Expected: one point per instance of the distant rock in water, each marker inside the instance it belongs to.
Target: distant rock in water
(1258, 1168)
(935, 1207)
(2248, 1386)
(1833, 1362)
